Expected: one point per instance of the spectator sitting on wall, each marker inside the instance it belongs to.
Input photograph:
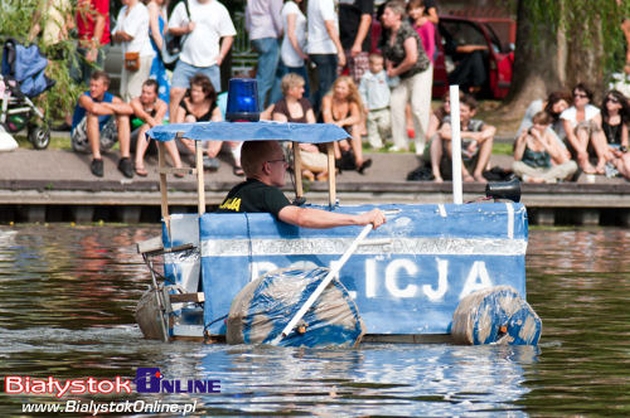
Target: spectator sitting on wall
(538, 157)
(477, 138)
(100, 119)
(149, 111)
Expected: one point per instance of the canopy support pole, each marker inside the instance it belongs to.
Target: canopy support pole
(201, 190)
(163, 185)
(297, 170)
(332, 184)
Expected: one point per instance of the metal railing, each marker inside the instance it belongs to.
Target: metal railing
(243, 57)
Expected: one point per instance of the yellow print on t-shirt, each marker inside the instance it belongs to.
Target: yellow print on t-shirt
(233, 204)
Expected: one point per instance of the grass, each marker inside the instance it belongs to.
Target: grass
(502, 148)
(57, 141)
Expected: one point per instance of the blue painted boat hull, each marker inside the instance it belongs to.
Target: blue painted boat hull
(407, 279)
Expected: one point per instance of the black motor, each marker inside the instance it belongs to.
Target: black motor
(510, 190)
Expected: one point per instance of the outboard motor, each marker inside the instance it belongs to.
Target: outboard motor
(510, 190)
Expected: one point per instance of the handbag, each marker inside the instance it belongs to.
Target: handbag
(132, 61)
(172, 46)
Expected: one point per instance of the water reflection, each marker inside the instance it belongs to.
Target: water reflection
(579, 283)
(68, 273)
(375, 380)
(67, 296)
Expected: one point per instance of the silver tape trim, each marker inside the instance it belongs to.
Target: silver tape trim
(336, 246)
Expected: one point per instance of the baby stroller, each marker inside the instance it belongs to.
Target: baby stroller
(22, 79)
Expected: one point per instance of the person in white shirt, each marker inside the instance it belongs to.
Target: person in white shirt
(263, 22)
(293, 49)
(132, 31)
(582, 125)
(209, 36)
(376, 94)
(324, 47)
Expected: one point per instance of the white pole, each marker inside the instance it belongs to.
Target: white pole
(456, 145)
(322, 286)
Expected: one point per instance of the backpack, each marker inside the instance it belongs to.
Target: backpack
(422, 173)
(172, 46)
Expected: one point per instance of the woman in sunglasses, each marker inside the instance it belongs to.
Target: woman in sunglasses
(615, 120)
(582, 124)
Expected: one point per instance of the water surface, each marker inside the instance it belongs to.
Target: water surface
(67, 296)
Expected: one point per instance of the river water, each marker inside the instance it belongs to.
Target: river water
(67, 296)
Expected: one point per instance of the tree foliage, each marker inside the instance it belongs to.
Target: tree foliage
(16, 20)
(562, 42)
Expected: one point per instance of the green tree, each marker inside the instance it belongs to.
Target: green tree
(562, 42)
(16, 20)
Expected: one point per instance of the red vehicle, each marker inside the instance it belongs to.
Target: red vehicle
(498, 58)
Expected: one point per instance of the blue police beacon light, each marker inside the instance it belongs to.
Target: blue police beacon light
(242, 101)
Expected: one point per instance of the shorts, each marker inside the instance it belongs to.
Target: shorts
(589, 126)
(184, 72)
(108, 136)
(315, 162)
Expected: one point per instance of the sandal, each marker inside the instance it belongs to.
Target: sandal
(141, 171)
(366, 164)
(179, 175)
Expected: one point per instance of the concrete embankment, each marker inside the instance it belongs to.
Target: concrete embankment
(57, 186)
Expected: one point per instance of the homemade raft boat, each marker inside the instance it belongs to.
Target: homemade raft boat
(432, 273)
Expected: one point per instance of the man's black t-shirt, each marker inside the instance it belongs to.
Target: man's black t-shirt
(254, 196)
(350, 12)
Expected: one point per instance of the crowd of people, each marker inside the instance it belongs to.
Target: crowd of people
(340, 80)
(334, 75)
(566, 134)
(559, 138)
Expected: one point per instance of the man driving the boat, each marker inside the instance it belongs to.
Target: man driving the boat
(265, 167)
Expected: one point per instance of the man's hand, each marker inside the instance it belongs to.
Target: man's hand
(91, 54)
(341, 56)
(376, 217)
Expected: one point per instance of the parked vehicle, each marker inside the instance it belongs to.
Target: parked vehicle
(498, 59)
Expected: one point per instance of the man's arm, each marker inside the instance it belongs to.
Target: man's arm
(95, 42)
(331, 29)
(321, 219)
(226, 44)
(364, 28)
(467, 49)
(486, 133)
(276, 16)
(179, 24)
(116, 107)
